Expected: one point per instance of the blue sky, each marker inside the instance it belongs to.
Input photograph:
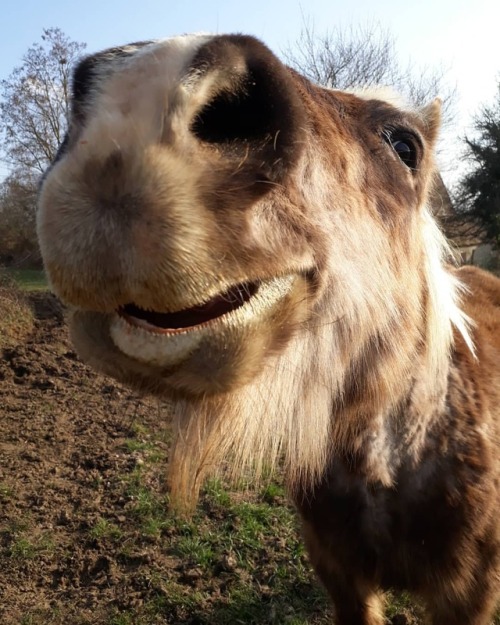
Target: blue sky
(461, 35)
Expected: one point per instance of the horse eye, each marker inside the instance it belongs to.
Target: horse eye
(405, 147)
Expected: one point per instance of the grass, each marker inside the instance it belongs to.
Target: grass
(28, 279)
(223, 566)
(241, 558)
(6, 491)
(233, 568)
(16, 315)
(104, 529)
(23, 548)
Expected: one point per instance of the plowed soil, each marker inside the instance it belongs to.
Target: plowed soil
(62, 445)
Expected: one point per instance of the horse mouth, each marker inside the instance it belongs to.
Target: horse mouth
(167, 338)
(189, 318)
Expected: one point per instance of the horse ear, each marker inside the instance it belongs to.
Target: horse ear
(431, 115)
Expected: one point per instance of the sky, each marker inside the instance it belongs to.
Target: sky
(460, 36)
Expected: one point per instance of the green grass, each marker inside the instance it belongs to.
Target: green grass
(22, 548)
(29, 279)
(6, 491)
(245, 544)
(104, 529)
(239, 559)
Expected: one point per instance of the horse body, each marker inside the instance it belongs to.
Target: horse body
(260, 251)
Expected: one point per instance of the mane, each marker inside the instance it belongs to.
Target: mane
(445, 291)
(384, 93)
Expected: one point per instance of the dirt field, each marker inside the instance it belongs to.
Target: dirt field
(85, 533)
(86, 537)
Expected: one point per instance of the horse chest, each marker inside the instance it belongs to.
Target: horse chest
(394, 535)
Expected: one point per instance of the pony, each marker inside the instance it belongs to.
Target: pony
(260, 251)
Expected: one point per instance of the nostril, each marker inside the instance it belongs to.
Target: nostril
(246, 114)
(255, 115)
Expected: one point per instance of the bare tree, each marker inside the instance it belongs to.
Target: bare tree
(34, 105)
(34, 111)
(365, 56)
(342, 59)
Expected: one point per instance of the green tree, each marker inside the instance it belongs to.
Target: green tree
(479, 190)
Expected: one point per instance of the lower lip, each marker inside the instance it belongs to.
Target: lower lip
(166, 347)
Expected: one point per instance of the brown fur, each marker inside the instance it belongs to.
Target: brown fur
(197, 164)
